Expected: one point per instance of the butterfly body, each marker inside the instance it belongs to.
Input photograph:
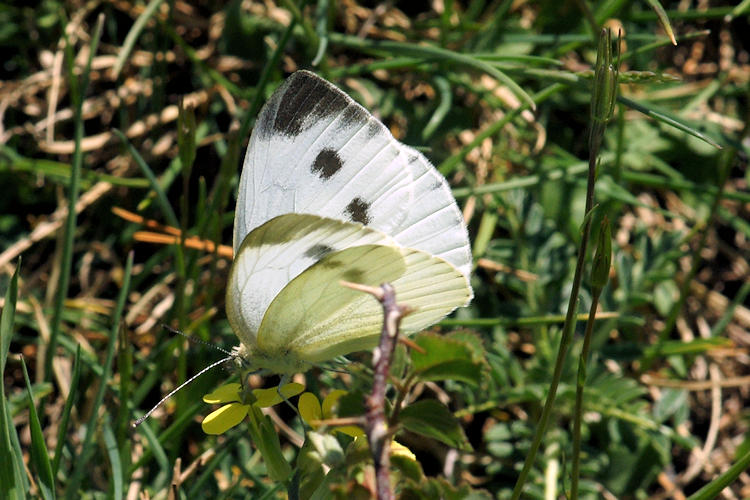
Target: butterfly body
(327, 194)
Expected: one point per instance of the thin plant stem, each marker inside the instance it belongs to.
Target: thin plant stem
(599, 278)
(603, 99)
(376, 425)
(580, 384)
(565, 341)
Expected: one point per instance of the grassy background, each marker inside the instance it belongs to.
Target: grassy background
(665, 405)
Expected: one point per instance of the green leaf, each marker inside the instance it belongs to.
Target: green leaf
(446, 358)
(327, 448)
(441, 488)
(666, 294)
(430, 418)
(409, 468)
(266, 439)
(671, 401)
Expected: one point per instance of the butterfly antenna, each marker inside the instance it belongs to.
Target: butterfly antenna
(195, 340)
(174, 391)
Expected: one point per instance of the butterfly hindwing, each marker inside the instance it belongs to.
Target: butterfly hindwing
(278, 251)
(314, 318)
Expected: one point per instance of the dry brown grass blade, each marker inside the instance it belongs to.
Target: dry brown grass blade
(170, 235)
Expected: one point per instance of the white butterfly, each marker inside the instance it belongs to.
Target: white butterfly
(327, 194)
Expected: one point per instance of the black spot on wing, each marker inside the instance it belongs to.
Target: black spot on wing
(331, 263)
(326, 164)
(304, 99)
(353, 275)
(317, 252)
(358, 211)
(374, 128)
(354, 116)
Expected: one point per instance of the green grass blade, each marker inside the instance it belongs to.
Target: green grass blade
(713, 489)
(132, 36)
(321, 29)
(12, 484)
(8, 319)
(17, 485)
(122, 419)
(161, 196)
(155, 447)
(113, 452)
(39, 455)
(445, 104)
(429, 52)
(62, 430)
(742, 8)
(11, 161)
(77, 91)
(661, 14)
(87, 448)
(669, 119)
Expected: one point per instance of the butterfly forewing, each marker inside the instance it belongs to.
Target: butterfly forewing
(434, 223)
(314, 150)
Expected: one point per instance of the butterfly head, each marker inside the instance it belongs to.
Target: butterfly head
(277, 361)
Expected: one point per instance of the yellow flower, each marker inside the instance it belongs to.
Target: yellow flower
(311, 410)
(235, 409)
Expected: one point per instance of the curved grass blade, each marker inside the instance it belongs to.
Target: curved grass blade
(87, 448)
(444, 106)
(12, 478)
(113, 452)
(161, 196)
(669, 120)
(39, 454)
(713, 489)
(132, 36)
(661, 14)
(434, 53)
(65, 417)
